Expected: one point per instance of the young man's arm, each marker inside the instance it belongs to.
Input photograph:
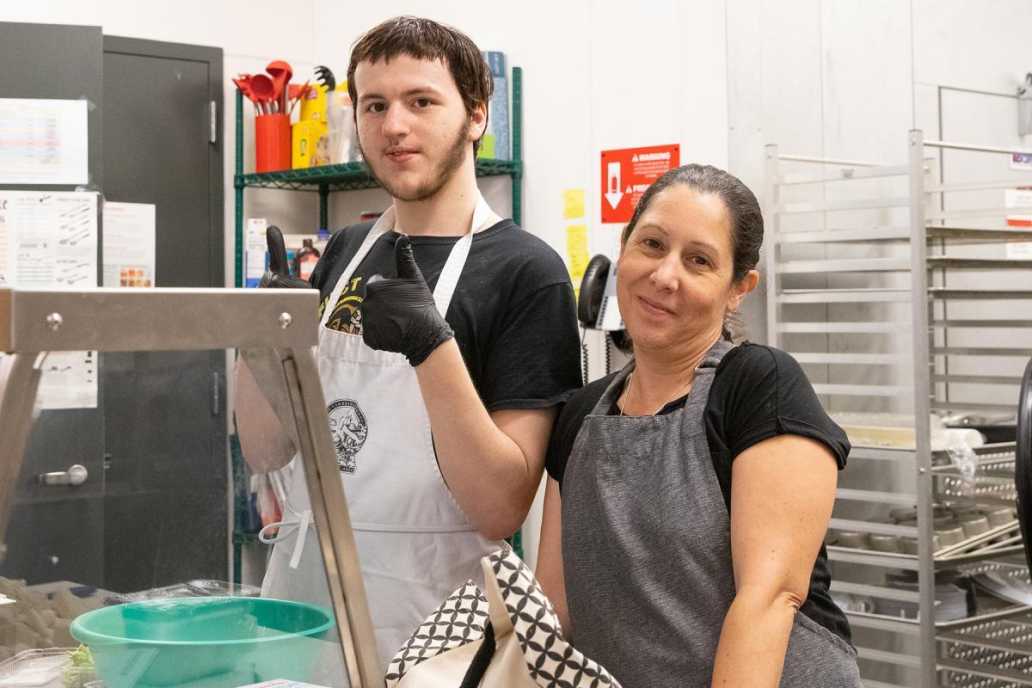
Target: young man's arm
(492, 462)
(264, 419)
(265, 432)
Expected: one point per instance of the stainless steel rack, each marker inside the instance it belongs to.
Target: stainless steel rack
(878, 278)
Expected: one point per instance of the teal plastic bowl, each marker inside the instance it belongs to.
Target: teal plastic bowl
(213, 642)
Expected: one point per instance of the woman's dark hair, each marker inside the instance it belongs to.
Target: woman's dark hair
(742, 207)
(425, 39)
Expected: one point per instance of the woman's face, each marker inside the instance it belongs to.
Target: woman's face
(674, 276)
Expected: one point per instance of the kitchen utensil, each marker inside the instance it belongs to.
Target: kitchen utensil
(304, 89)
(978, 542)
(951, 599)
(944, 521)
(883, 543)
(264, 90)
(1003, 543)
(973, 523)
(851, 539)
(243, 83)
(995, 427)
(324, 75)
(1007, 581)
(281, 72)
(951, 535)
(908, 545)
(998, 516)
(297, 91)
(960, 509)
(171, 642)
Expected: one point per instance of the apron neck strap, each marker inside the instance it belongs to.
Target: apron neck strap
(483, 218)
(710, 361)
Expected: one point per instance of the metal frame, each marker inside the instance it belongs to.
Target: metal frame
(35, 322)
(922, 410)
(933, 473)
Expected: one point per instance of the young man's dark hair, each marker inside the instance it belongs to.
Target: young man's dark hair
(425, 39)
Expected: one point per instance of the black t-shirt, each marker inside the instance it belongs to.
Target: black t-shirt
(513, 311)
(758, 392)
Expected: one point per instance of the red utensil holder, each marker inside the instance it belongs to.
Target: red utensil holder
(272, 142)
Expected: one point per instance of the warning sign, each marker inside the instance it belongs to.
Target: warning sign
(627, 172)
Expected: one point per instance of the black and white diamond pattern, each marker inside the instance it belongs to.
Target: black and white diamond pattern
(459, 620)
(553, 663)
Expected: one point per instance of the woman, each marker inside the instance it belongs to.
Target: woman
(697, 483)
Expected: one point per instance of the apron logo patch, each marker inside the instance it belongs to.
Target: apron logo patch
(349, 429)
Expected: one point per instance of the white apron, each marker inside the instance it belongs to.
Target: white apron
(415, 545)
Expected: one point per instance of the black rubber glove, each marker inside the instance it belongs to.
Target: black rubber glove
(278, 275)
(400, 314)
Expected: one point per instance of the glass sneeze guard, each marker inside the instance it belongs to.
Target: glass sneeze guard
(247, 639)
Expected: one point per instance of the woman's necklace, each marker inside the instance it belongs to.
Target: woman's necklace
(622, 401)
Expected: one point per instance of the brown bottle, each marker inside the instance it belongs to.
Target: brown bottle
(305, 260)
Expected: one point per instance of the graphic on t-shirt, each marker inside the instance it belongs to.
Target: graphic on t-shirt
(349, 430)
(346, 315)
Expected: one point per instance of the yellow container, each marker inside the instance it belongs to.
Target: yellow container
(310, 144)
(313, 104)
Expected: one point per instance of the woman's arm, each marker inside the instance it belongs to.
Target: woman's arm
(550, 555)
(782, 493)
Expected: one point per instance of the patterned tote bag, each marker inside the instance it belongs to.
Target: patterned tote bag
(507, 636)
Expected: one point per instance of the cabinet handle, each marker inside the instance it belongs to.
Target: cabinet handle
(75, 475)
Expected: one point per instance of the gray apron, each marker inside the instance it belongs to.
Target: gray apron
(647, 551)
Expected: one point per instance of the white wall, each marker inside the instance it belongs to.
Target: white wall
(824, 78)
(595, 76)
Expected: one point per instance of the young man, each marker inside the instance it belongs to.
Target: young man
(448, 337)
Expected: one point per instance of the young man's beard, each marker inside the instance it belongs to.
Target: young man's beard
(438, 177)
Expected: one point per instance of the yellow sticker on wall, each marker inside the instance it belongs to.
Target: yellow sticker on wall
(573, 204)
(577, 252)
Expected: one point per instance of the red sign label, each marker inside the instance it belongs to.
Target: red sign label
(627, 172)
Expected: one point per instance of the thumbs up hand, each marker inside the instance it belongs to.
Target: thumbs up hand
(399, 314)
(278, 275)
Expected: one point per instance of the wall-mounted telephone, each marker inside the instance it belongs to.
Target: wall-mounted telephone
(592, 290)
(597, 308)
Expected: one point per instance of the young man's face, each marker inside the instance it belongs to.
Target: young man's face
(412, 125)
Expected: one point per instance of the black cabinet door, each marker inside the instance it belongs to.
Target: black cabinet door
(165, 424)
